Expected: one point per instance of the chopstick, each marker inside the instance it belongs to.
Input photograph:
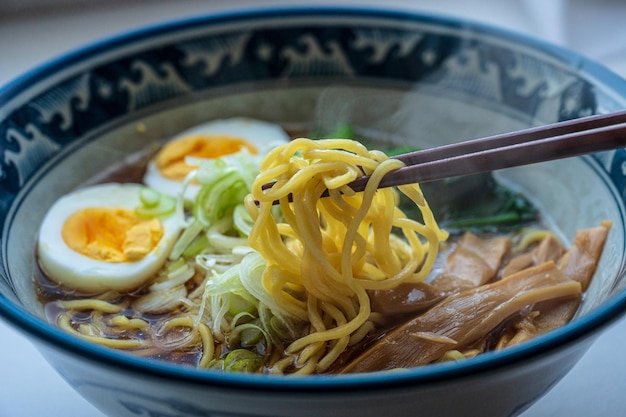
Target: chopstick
(538, 144)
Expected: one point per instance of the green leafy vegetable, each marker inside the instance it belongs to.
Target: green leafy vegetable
(342, 131)
(154, 204)
(478, 203)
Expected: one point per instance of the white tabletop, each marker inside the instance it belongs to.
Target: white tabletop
(595, 387)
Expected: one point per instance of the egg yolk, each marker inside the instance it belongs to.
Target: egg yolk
(111, 234)
(171, 159)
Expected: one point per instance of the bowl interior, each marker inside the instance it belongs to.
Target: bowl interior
(416, 80)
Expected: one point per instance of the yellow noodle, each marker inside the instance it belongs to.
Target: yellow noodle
(64, 323)
(407, 274)
(124, 322)
(90, 304)
(452, 355)
(344, 244)
(339, 331)
(311, 364)
(269, 240)
(179, 322)
(344, 329)
(360, 334)
(315, 314)
(340, 344)
(311, 352)
(529, 237)
(280, 366)
(333, 353)
(208, 345)
(281, 298)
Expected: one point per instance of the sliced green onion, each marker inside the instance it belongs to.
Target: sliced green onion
(225, 244)
(174, 278)
(242, 220)
(242, 250)
(250, 334)
(239, 304)
(250, 337)
(149, 197)
(196, 247)
(164, 207)
(225, 283)
(178, 264)
(188, 235)
(242, 360)
(216, 364)
(279, 328)
(216, 199)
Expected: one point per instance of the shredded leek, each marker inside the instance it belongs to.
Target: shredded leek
(215, 240)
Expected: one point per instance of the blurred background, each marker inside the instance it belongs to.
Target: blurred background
(32, 31)
(35, 31)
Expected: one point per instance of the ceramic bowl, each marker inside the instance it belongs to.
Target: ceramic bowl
(420, 79)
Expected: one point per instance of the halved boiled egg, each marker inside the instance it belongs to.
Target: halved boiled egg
(212, 140)
(94, 239)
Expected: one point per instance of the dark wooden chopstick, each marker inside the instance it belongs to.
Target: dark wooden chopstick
(513, 138)
(538, 144)
(555, 141)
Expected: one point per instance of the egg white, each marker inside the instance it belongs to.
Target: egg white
(262, 135)
(74, 270)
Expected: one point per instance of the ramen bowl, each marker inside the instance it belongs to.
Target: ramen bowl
(418, 80)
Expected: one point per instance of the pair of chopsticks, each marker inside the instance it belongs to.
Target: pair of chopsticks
(538, 144)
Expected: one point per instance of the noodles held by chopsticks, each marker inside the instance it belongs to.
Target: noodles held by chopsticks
(323, 254)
